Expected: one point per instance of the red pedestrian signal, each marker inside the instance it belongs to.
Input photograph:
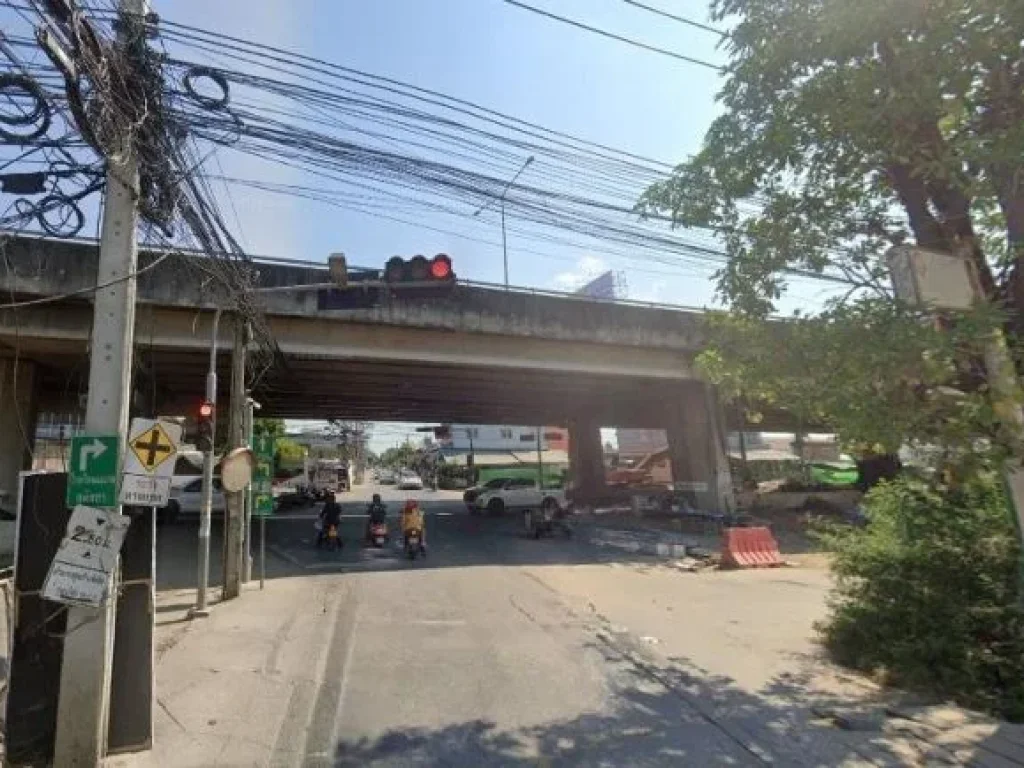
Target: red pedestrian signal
(205, 426)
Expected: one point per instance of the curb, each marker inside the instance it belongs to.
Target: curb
(637, 545)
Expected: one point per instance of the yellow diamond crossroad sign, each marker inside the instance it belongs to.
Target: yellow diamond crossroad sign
(149, 462)
(153, 447)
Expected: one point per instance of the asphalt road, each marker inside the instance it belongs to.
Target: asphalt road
(498, 650)
(466, 658)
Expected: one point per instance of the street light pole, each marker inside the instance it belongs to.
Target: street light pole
(501, 200)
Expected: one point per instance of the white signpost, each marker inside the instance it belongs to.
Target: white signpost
(149, 462)
(80, 571)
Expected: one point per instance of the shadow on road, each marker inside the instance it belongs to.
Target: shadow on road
(672, 714)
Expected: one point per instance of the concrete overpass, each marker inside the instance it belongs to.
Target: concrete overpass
(475, 355)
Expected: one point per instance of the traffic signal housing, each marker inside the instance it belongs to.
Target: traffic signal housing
(419, 272)
(205, 417)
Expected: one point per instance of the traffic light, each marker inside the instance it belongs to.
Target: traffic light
(205, 425)
(419, 271)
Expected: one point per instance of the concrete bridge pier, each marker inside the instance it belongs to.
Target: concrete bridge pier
(695, 428)
(586, 461)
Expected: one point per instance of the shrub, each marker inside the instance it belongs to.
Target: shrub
(926, 593)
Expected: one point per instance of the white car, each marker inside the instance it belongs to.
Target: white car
(187, 497)
(409, 481)
(519, 493)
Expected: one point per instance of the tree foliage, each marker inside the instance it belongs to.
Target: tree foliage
(289, 455)
(398, 456)
(851, 126)
(269, 427)
(877, 373)
(926, 593)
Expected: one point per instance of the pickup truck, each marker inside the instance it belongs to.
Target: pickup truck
(519, 493)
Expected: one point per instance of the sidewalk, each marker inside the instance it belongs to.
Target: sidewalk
(740, 645)
(239, 685)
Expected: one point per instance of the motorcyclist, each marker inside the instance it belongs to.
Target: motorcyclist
(330, 515)
(412, 520)
(378, 513)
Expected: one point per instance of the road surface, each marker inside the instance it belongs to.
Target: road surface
(498, 650)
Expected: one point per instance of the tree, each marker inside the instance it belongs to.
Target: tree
(290, 454)
(875, 372)
(399, 456)
(852, 126)
(269, 427)
(849, 127)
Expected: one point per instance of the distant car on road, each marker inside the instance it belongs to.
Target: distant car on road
(471, 494)
(187, 498)
(409, 481)
(520, 493)
(386, 477)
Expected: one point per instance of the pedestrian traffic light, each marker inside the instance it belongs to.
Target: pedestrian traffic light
(204, 426)
(419, 271)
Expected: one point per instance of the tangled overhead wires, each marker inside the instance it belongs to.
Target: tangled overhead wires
(110, 94)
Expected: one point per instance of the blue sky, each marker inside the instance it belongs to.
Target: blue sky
(507, 59)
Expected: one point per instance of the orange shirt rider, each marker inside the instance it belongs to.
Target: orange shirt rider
(412, 519)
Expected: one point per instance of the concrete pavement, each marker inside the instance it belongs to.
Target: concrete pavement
(498, 650)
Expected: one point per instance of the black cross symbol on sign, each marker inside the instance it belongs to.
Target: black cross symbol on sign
(153, 448)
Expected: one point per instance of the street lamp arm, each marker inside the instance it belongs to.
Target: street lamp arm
(504, 192)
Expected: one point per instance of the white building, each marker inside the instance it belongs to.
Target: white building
(494, 437)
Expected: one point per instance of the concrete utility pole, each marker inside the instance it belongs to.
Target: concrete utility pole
(84, 700)
(234, 502)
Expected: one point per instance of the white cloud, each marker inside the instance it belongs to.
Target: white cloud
(586, 269)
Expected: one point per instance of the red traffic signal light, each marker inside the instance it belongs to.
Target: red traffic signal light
(441, 267)
(419, 269)
(205, 426)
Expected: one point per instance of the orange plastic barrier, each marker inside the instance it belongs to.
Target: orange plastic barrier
(750, 548)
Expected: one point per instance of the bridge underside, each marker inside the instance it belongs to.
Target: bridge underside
(375, 390)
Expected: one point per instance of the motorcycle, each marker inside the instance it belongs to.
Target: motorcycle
(329, 538)
(378, 534)
(544, 521)
(413, 543)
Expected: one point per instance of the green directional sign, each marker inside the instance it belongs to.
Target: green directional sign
(264, 448)
(92, 471)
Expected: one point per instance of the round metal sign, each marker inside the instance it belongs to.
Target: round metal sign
(236, 469)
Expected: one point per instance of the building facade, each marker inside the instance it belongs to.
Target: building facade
(502, 437)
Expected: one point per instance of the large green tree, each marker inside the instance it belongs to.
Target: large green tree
(848, 127)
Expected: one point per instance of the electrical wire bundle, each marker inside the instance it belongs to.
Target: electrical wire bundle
(111, 96)
(391, 150)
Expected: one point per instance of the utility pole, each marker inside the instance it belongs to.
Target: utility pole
(234, 502)
(250, 406)
(84, 701)
(540, 460)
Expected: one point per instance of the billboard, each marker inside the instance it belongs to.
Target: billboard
(601, 287)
